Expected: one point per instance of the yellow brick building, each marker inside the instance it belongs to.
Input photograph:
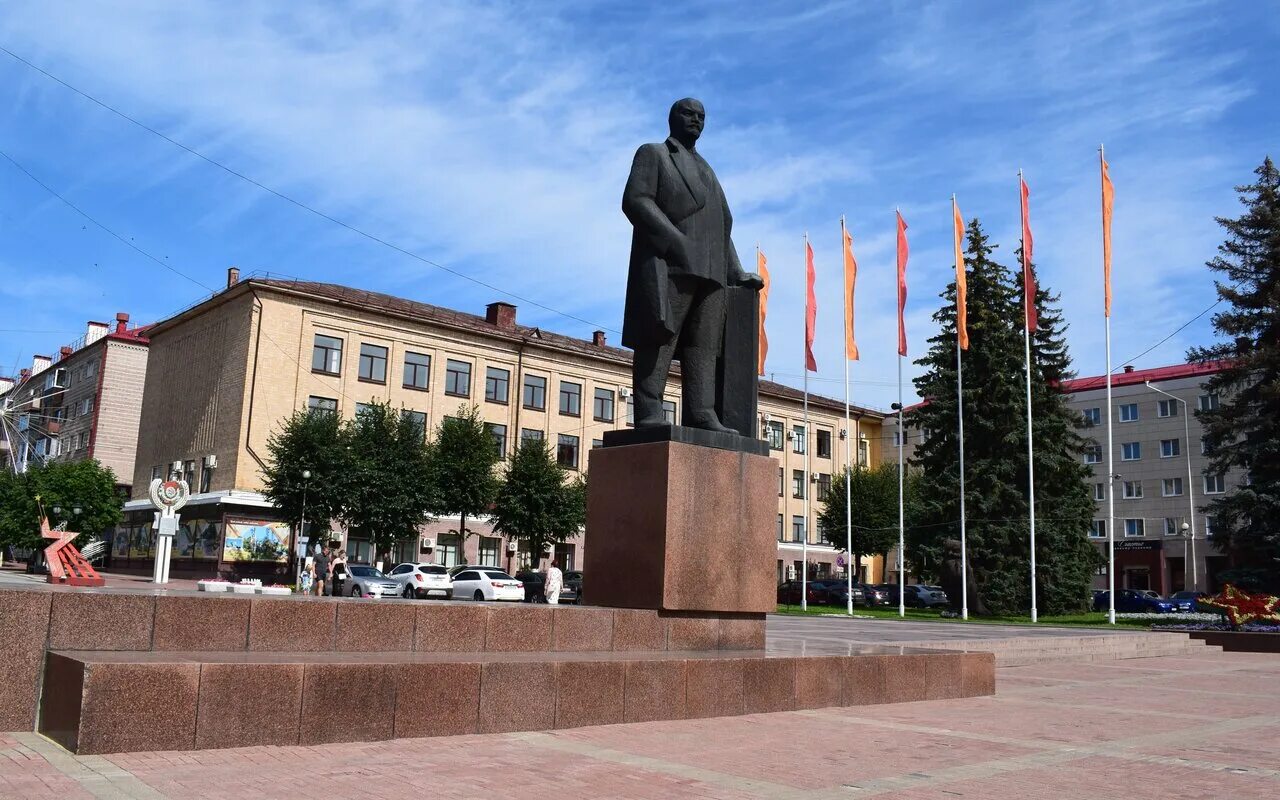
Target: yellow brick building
(225, 373)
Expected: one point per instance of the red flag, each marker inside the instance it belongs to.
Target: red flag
(962, 283)
(902, 283)
(1028, 276)
(850, 280)
(1108, 200)
(810, 311)
(762, 266)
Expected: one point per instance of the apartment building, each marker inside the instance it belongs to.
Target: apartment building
(85, 403)
(1163, 535)
(225, 373)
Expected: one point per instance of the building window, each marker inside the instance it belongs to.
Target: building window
(1093, 416)
(773, 432)
(797, 483)
(531, 435)
(1129, 412)
(535, 392)
(824, 486)
(669, 411)
(797, 529)
(781, 533)
(489, 548)
(570, 398)
(499, 434)
(157, 472)
(326, 355)
(602, 405)
(1093, 454)
(1167, 408)
(329, 404)
(567, 451)
(418, 418)
(457, 378)
(631, 408)
(1133, 490)
(497, 384)
(417, 371)
(798, 439)
(1171, 487)
(206, 477)
(1208, 402)
(782, 481)
(1172, 526)
(1208, 527)
(1170, 448)
(1135, 527)
(189, 472)
(1214, 484)
(1098, 529)
(1206, 449)
(864, 452)
(824, 444)
(373, 363)
(597, 443)
(1130, 451)
(363, 408)
(1099, 491)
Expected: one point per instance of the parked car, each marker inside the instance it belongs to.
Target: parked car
(838, 595)
(918, 596)
(789, 594)
(1134, 601)
(824, 587)
(535, 584)
(1188, 600)
(422, 580)
(366, 581)
(573, 578)
(880, 595)
(486, 583)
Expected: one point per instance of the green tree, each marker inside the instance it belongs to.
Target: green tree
(391, 488)
(86, 485)
(995, 448)
(465, 457)
(319, 442)
(1243, 432)
(537, 503)
(874, 499)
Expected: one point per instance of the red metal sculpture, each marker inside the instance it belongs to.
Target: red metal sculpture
(66, 565)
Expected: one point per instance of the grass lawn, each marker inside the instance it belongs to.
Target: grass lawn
(1093, 619)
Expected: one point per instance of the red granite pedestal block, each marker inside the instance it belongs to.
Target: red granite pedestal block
(97, 621)
(347, 703)
(659, 513)
(714, 687)
(654, 690)
(437, 699)
(131, 707)
(517, 696)
(24, 626)
(589, 693)
(449, 628)
(370, 626)
(248, 704)
(201, 623)
(291, 625)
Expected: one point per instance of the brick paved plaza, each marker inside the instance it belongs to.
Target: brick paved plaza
(1200, 726)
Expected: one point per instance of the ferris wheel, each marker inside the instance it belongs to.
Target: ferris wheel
(29, 423)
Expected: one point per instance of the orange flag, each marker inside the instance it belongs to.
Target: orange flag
(962, 288)
(810, 311)
(850, 279)
(1028, 273)
(762, 266)
(1108, 198)
(903, 251)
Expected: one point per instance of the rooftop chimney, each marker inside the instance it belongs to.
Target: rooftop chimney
(65, 351)
(122, 322)
(95, 332)
(40, 364)
(597, 338)
(502, 315)
(233, 276)
(6, 384)
(1128, 368)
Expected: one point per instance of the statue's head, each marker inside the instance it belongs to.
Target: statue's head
(686, 120)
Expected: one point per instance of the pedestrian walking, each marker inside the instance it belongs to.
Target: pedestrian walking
(554, 583)
(321, 566)
(339, 572)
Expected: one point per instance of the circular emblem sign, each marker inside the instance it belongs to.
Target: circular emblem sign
(169, 493)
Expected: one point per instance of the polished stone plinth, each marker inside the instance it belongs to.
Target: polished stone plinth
(682, 528)
(121, 701)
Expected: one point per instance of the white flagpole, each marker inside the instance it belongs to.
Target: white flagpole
(902, 539)
(848, 465)
(1111, 474)
(1028, 304)
(964, 555)
(804, 545)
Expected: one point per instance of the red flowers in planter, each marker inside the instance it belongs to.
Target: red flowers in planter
(1241, 607)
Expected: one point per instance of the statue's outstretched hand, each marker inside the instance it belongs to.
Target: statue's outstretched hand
(752, 280)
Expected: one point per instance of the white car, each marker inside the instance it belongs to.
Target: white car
(487, 583)
(423, 580)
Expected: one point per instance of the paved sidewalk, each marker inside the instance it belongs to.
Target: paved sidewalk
(1205, 726)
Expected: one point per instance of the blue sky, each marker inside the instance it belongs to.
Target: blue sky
(495, 138)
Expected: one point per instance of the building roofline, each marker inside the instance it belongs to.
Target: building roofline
(1130, 376)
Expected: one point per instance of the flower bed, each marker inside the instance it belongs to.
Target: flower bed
(1220, 625)
(1177, 616)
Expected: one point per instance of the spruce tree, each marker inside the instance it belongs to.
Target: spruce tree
(1243, 432)
(998, 542)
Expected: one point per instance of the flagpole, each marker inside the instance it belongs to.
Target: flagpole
(1111, 467)
(804, 545)
(848, 465)
(964, 555)
(902, 443)
(1028, 302)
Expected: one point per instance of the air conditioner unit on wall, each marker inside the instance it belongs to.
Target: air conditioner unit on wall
(428, 543)
(210, 461)
(177, 467)
(624, 392)
(512, 546)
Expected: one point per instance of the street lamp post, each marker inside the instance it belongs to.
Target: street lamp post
(1191, 491)
(302, 526)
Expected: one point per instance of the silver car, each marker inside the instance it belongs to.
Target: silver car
(365, 581)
